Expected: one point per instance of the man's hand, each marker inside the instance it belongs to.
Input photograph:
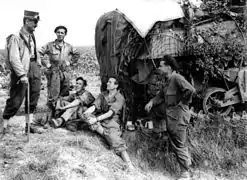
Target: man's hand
(60, 108)
(24, 80)
(89, 118)
(149, 106)
(92, 120)
(67, 63)
(48, 65)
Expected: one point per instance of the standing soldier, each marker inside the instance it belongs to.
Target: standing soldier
(108, 107)
(24, 64)
(176, 96)
(61, 56)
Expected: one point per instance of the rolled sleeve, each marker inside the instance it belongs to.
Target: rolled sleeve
(98, 102)
(86, 98)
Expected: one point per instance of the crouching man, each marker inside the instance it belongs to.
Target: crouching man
(107, 107)
(70, 107)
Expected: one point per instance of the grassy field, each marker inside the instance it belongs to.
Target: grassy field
(58, 154)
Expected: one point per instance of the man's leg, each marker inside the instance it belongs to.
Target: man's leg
(64, 117)
(112, 136)
(53, 91)
(65, 84)
(34, 84)
(13, 103)
(177, 137)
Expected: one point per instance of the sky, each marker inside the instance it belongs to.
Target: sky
(79, 16)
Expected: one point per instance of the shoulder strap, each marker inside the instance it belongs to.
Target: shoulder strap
(25, 41)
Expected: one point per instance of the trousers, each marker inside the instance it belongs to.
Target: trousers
(18, 91)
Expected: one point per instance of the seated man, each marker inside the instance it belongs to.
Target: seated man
(108, 107)
(71, 106)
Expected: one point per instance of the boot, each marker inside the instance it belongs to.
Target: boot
(56, 123)
(126, 158)
(4, 128)
(33, 129)
(185, 175)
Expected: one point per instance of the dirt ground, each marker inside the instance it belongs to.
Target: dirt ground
(59, 154)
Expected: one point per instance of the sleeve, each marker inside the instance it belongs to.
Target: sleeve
(159, 98)
(186, 88)
(39, 59)
(75, 55)
(86, 98)
(98, 101)
(44, 50)
(117, 105)
(14, 56)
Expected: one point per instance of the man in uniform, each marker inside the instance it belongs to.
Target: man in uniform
(24, 64)
(61, 56)
(73, 105)
(176, 96)
(108, 107)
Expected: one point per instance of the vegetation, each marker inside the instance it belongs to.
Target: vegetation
(216, 45)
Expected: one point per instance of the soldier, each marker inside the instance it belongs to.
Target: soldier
(24, 64)
(61, 56)
(108, 107)
(176, 96)
(73, 105)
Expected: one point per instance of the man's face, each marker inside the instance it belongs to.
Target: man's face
(111, 84)
(164, 68)
(79, 85)
(31, 25)
(60, 34)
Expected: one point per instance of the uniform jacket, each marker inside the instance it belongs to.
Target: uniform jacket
(176, 90)
(85, 97)
(103, 104)
(19, 52)
(177, 95)
(59, 55)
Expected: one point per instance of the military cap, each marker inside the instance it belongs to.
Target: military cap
(32, 15)
(61, 27)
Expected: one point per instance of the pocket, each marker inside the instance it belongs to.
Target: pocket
(171, 98)
(35, 71)
(178, 114)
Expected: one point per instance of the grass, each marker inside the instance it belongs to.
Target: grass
(218, 149)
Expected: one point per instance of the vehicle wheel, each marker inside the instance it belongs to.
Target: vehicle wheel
(211, 102)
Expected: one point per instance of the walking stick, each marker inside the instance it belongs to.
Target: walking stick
(28, 112)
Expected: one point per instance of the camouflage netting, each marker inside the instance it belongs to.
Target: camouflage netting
(123, 53)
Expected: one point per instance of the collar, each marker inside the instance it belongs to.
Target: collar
(55, 42)
(113, 98)
(25, 33)
(80, 92)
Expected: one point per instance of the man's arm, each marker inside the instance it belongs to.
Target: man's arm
(75, 55)
(86, 98)
(44, 50)
(74, 103)
(90, 110)
(186, 88)
(14, 56)
(105, 115)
